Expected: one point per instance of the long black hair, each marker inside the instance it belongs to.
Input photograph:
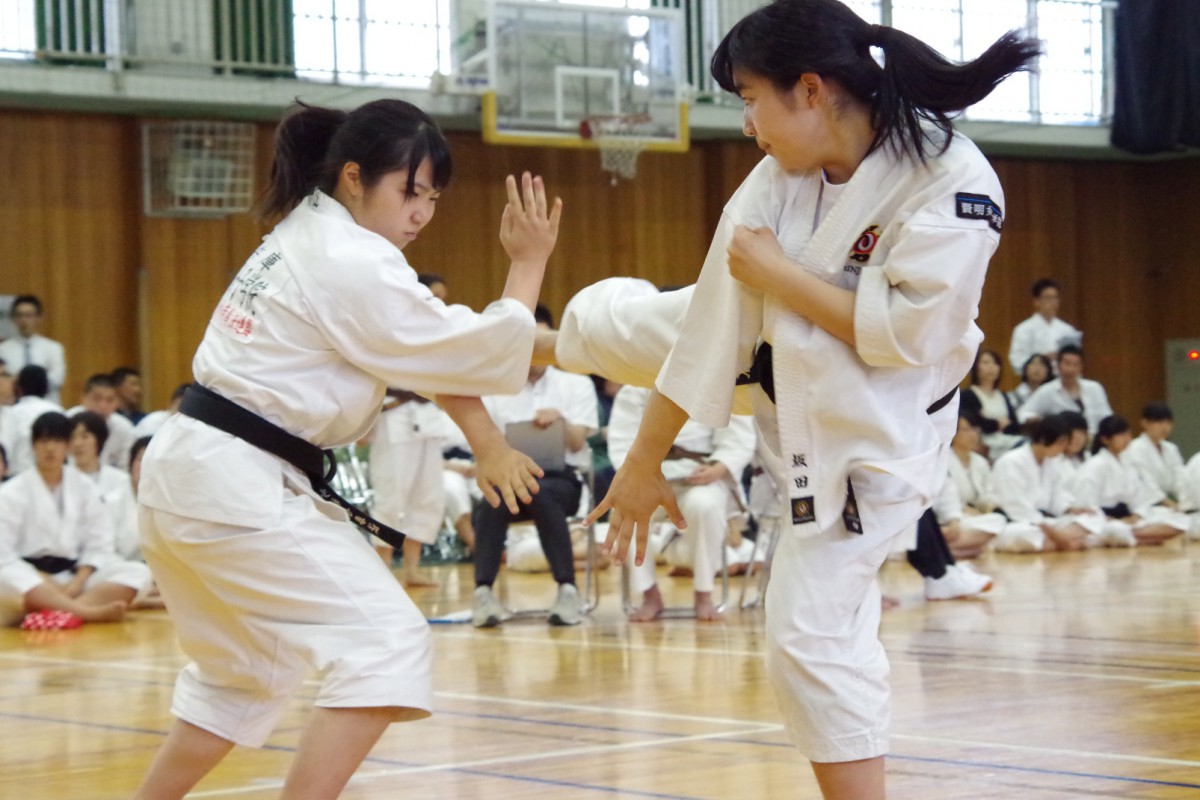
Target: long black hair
(915, 85)
(312, 144)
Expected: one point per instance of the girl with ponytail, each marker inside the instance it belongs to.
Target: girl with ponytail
(843, 283)
(266, 579)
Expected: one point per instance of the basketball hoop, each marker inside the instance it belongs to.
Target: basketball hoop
(618, 142)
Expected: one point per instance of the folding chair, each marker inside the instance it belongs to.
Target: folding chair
(590, 592)
(770, 524)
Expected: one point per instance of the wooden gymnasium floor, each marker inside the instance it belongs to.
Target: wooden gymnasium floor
(1077, 677)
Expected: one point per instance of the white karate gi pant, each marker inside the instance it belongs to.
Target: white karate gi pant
(18, 578)
(825, 662)
(407, 480)
(258, 609)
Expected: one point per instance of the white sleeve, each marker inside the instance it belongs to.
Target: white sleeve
(1013, 494)
(734, 445)
(921, 302)
(56, 366)
(1020, 350)
(947, 505)
(98, 547)
(1087, 488)
(1033, 406)
(12, 511)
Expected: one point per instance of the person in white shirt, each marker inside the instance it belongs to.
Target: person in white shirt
(704, 467)
(406, 477)
(30, 347)
(1189, 495)
(1131, 507)
(31, 386)
(1030, 491)
(265, 577)
(1070, 391)
(149, 424)
(89, 432)
(1154, 457)
(100, 397)
(1076, 453)
(968, 522)
(548, 397)
(56, 539)
(1043, 333)
(857, 249)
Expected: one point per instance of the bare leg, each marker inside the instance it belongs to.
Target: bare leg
(1153, 535)
(651, 607)
(50, 597)
(705, 610)
(334, 744)
(103, 594)
(851, 780)
(386, 552)
(188, 754)
(466, 531)
(413, 577)
(1068, 537)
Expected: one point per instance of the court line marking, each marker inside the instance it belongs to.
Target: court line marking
(893, 660)
(571, 752)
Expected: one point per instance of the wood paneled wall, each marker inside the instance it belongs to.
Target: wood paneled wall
(1115, 235)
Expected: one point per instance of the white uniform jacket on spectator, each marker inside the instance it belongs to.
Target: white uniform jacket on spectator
(574, 396)
(973, 481)
(732, 445)
(322, 318)
(21, 417)
(1036, 335)
(116, 491)
(43, 352)
(948, 508)
(1051, 398)
(1027, 491)
(70, 522)
(1105, 481)
(1157, 465)
(914, 249)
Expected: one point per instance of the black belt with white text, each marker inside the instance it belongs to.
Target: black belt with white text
(319, 465)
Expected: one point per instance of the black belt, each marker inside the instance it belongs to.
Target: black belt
(319, 465)
(52, 565)
(762, 372)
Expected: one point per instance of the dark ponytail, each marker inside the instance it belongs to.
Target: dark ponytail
(1109, 427)
(915, 85)
(312, 144)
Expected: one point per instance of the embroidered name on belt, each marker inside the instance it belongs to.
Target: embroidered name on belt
(979, 206)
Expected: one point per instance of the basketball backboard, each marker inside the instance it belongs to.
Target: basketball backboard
(555, 65)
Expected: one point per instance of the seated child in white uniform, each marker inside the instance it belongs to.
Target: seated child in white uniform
(56, 539)
(1134, 515)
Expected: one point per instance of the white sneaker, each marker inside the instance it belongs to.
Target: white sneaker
(568, 606)
(487, 611)
(960, 581)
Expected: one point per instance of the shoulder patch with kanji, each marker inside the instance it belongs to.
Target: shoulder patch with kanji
(979, 206)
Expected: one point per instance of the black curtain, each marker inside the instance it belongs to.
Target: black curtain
(1157, 101)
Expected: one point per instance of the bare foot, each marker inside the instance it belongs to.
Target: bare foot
(888, 603)
(418, 581)
(651, 607)
(705, 610)
(103, 612)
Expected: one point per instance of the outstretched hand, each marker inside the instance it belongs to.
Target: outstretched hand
(636, 493)
(506, 475)
(528, 226)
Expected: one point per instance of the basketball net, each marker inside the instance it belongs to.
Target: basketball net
(619, 148)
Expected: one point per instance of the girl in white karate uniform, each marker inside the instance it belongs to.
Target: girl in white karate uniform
(1132, 508)
(857, 250)
(265, 580)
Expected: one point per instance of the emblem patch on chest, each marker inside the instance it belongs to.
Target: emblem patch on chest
(865, 244)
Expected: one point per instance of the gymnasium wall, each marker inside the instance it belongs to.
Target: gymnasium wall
(124, 288)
